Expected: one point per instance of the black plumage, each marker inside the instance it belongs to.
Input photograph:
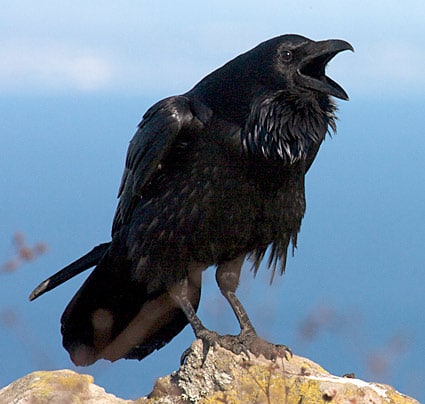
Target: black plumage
(212, 176)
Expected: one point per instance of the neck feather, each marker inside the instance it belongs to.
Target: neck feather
(287, 128)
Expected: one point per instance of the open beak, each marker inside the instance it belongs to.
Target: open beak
(312, 68)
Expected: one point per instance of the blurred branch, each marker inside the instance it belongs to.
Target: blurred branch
(382, 361)
(10, 318)
(23, 253)
(378, 362)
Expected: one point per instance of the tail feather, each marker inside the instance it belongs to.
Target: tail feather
(113, 315)
(85, 262)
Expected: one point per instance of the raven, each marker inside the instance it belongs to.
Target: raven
(212, 177)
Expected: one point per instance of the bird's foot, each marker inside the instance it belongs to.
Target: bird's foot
(209, 338)
(259, 346)
(247, 341)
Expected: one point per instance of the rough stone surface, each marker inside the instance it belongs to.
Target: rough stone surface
(56, 387)
(220, 377)
(227, 378)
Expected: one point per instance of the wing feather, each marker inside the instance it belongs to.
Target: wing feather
(151, 144)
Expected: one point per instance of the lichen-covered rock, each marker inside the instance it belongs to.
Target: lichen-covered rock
(223, 377)
(220, 377)
(56, 387)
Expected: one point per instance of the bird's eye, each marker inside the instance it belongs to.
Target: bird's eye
(286, 56)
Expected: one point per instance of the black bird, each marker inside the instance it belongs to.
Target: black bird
(212, 177)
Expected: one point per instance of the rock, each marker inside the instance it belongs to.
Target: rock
(221, 377)
(56, 387)
(228, 378)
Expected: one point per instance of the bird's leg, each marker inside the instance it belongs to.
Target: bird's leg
(227, 277)
(180, 295)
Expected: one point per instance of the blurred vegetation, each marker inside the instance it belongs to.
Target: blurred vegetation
(23, 253)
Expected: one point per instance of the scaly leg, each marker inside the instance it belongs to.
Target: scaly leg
(208, 337)
(227, 277)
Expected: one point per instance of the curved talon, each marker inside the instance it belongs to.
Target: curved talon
(245, 351)
(205, 348)
(288, 353)
(281, 351)
(209, 338)
(184, 355)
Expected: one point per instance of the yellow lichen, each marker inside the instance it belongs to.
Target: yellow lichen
(46, 383)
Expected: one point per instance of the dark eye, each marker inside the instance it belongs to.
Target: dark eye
(286, 56)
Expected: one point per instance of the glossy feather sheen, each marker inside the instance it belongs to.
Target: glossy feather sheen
(279, 128)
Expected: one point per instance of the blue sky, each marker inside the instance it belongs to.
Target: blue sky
(75, 79)
(151, 47)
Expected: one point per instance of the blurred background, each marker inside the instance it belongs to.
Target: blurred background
(75, 79)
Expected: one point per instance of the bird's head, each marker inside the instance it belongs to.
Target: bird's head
(293, 61)
(289, 63)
